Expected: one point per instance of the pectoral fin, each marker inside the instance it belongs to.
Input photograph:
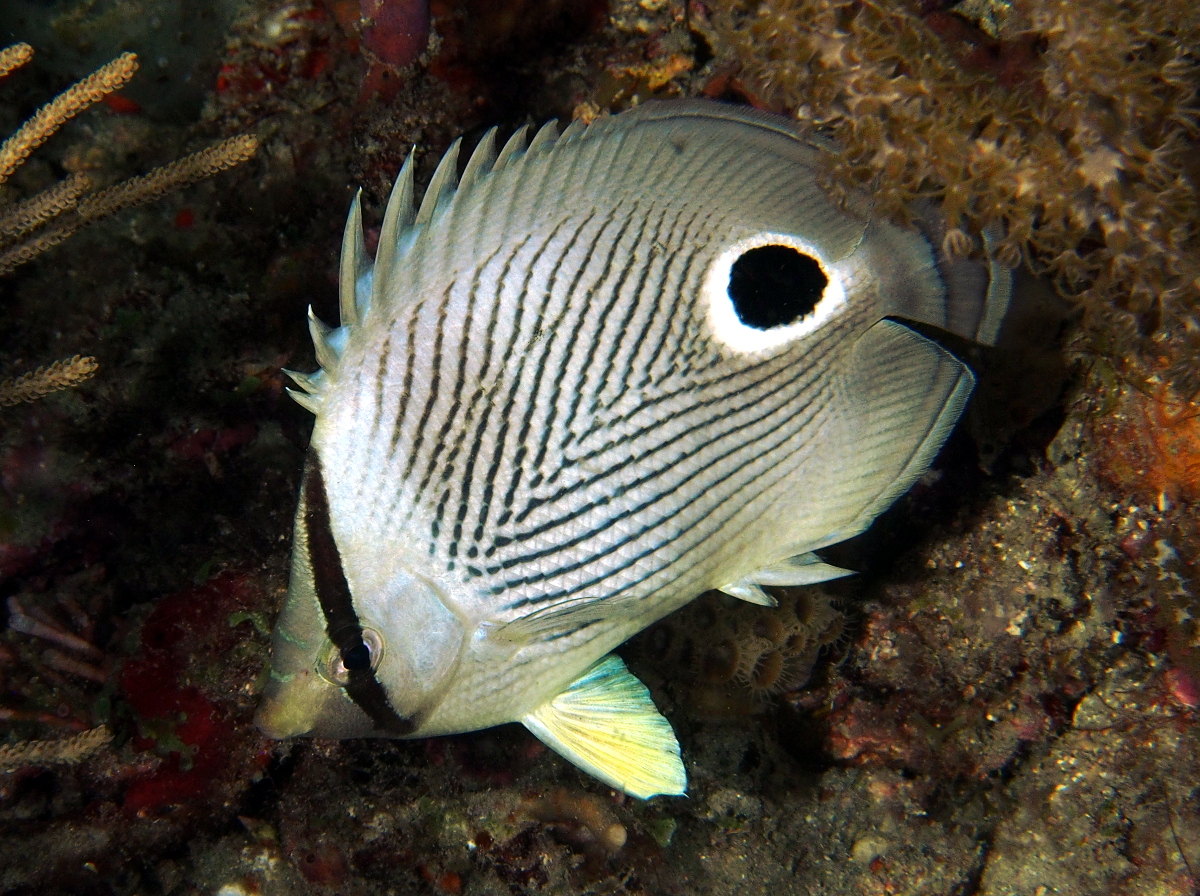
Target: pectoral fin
(557, 621)
(606, 724)
(803, 569)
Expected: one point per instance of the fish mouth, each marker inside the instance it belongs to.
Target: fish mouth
(305, 703)
(290, 705)
(274, 723)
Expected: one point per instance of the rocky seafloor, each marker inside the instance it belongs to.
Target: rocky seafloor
(1004, 701)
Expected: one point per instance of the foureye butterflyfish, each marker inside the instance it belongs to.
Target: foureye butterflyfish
(603, 372)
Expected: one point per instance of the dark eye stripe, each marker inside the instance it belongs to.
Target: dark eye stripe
(341, 622)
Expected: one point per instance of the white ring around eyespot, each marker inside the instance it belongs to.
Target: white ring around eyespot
(724, 324)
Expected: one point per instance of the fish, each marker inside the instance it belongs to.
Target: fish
(602, 372)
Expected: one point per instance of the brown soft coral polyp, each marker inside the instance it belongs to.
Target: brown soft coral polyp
(1073, 132)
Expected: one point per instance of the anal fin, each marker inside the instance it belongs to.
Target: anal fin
(803, 569)
(747, 589)
(606, 724)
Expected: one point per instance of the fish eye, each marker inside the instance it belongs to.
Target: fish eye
(357, 657)
(772, 286)
(337, 665)
(767, 290)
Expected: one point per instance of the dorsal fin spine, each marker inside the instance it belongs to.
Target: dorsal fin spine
(312, 388)
(441, 185)
(310, 403)
(354, 263)
(397, 220)
(513, 148)
(361, 284)
(573, 131)
(311, 383)
(326, 342)
(481, 161)
(520, 175)
(544, 138)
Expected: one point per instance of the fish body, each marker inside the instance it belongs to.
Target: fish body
(607, 371)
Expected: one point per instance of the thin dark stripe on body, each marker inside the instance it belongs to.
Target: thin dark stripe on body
(434, 384)
(614, 296)
(737, 388)
(641, 301)
(452, 416)
(759, 383)
(602, 424)
(540, 368)
(698, 495)
(506, 413)
(560, 373)
(478, 404)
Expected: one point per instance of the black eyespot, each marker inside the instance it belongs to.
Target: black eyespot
(772, 286)
(357, 657)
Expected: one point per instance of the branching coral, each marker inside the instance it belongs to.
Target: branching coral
(86, 661)
(61, 751)
(1076, 132)
(45, 380)
(17, 148)
(31, 227)
(56, 662)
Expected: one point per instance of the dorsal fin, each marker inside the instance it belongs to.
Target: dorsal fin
(441, 186)
(354, 264)
(545, 137)
(327, 341)
(514, 147)
(310, 403)
(363, 285)
(573, 130)
(311, 383)
(481, 161)
(397, 218)
(312, 386)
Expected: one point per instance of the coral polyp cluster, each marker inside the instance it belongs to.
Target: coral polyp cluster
(728, 654)
(1073, 131)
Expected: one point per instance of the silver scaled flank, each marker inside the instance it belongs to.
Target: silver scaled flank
(603, 372)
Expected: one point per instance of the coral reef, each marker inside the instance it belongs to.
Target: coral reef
(1080, 832)
(394, 34)
(20, 237)
(583, 820)
(1073, 133)
(184, 708)
(1011, 697)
